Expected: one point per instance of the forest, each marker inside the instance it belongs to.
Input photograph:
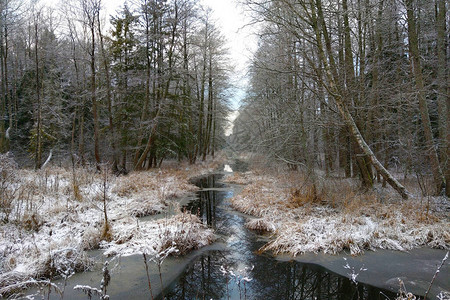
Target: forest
(352, 88)
(150, 83)
(116, 144)
(359, 86)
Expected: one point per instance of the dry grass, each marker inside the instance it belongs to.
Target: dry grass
(106, 234)
(137, 182)
(260, 224)
(238, 178)
(32, 222)
(185, 237)
(56, 209)
(300, 197)
(57, 263)
(332, 215)
(183, 233)
(91, 239)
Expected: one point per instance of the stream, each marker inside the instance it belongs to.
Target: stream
(232, 268)
(238, 272)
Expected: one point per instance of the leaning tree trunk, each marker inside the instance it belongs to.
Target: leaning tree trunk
(368, 152)
(319, 26)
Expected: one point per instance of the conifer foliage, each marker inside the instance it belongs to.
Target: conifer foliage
(148, 83)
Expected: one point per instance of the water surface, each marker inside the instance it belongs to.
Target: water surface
(232, 268)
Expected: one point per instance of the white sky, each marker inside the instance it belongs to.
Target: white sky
(240, 40)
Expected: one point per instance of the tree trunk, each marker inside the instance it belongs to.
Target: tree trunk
(94, 97)
(6, 98)
(209, 116)
(367, 151)
(108, 96)
(81, 134)
(139, 165)
(38, 150)
(439, 179)
(331, 74)
(443, 92)
(361, 160)
(148, 65)
(3, 147)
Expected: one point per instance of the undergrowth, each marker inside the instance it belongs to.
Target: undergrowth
(46, 211)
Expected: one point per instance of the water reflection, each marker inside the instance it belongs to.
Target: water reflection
(204, 206)
(211, 181)
(270, 279)
(290, 280)
(201, 280)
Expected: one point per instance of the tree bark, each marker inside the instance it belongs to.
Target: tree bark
(443, 92)
(94, 100)
(38, 150)
(439, 179)
(351, 91)
(91, 9)
(108, 96)
(3, 147)
(367, 151)
(148, 65)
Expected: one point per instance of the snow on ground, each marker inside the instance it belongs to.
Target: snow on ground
(333, 215)
(49, 218)
(184, 232)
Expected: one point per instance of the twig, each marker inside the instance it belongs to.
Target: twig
(148, 275)
(435, 275)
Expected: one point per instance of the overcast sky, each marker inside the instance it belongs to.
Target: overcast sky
(241, 42)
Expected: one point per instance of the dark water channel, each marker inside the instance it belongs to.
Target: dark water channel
(232, 268)
(238, 272)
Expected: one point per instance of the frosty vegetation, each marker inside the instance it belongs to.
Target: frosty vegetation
(334, 215)
(51, 217)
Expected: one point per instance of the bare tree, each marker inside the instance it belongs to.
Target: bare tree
(91, 10)
(439, 179)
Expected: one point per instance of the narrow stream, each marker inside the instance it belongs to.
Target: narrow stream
(232, 268)
(238, 272)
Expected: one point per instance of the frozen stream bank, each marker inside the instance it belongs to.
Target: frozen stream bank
(231, 268)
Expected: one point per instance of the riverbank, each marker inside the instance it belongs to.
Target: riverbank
(306, 220)
(333, 215)
(55, 215)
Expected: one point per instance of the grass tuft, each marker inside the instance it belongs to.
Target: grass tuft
(309, 195)
(106, 234)
(261, 225)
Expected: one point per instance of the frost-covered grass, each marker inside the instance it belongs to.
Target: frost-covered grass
(185, 232)
(332, 215)
(55, 215)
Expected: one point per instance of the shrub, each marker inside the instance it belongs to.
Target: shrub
(8, 185)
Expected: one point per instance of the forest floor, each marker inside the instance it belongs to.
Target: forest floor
(333, 215)
(50, 218)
